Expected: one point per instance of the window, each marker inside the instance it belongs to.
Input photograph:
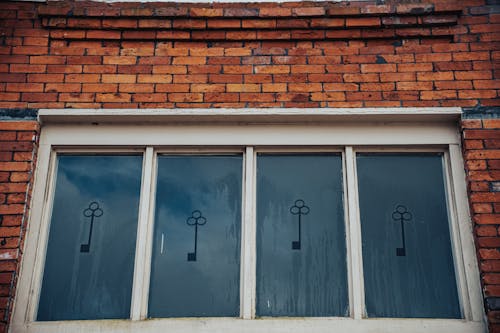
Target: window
(237, 225)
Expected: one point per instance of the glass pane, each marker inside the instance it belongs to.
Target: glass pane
(91, 249)
(196, 250)
(407, 259)
(301, 251)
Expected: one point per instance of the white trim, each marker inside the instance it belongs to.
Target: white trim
(248, 239)
(464, 234)
(43, 230)
(277, 115)
(224, 135)
(355, 248)
(296, 325)
(21, 310)
(149, 240)
(142, 235)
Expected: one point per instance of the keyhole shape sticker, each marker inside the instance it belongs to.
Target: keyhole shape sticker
(92, 212)
(402, 215)
(196, 219)
(299, 209)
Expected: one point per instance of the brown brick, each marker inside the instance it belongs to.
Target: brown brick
(113, 98)
(185, 97)
(372, 68)
(11, 209)
(414, 86)
(18, 177)
(478, 197)
(363, 22)
(308, 11)
(483, 134)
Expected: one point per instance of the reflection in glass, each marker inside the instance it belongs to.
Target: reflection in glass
(90, 254)
(407, 259)
(301, 250)
(196, 250)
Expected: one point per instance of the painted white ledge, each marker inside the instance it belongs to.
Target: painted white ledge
(274, 115)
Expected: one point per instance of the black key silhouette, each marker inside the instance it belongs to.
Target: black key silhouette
(402, 215)
(92, 211)
(195, 220)
(299, 208)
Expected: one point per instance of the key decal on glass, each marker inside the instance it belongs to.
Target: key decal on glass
(92, 211)
(195, 220)
(299, 208)
(402, 215)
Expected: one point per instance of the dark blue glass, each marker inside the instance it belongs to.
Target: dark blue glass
(196, 249)
(407, 257)
(90, 254)
(301, 247)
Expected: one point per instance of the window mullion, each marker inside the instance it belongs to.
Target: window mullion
(248, 240)
(141, 265)
(354, 237)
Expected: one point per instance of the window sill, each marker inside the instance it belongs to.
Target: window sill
(306, 325)
(288, 115)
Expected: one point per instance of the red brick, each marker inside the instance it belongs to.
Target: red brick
(8, 210)
(7, 136)
(476, 164)
(39, 97)
(495, 144)
(308, 11)
(206, 12)
(473, 75)
(18, 177)
(363, 22)
(488, 219)
(363, 96)
(489, 254)
(494, 164)
(476, 186)
(113, 98)
(274, 12)
(478, 197)
(483, 134)
(100, 87)
(490, 265)
(449, 85)
(435, 76)
(63, 87)
(82, 78)
(185, 97)
(388, 77)
(486, 230)
(384, 68)
(118, 78)
(442, 94)
(414, 86)
(119, 23)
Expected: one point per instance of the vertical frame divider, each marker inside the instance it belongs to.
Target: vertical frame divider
(462, 236)
(248, 241)
(142, 261)
(45, 178)
(354, 238)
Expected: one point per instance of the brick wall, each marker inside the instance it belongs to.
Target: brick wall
(17, 158)
(78, 54)
(482, 158)
(353, 54)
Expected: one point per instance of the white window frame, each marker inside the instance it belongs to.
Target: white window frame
(250, 131)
